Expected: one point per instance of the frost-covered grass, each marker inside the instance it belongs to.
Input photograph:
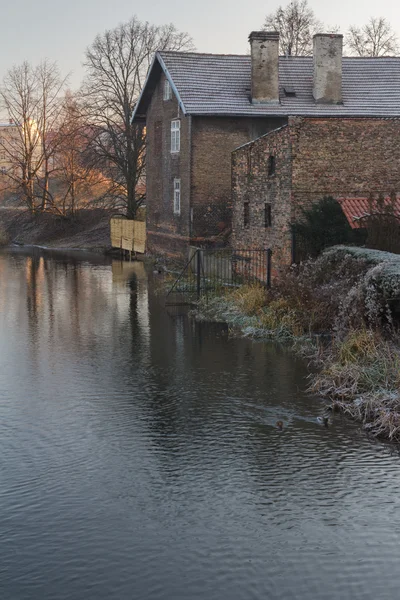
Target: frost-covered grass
(360, 373)
(353, 294)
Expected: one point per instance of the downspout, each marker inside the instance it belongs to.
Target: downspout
(190, 179)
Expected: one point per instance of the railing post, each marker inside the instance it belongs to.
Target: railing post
(198, 273)
(269, 256)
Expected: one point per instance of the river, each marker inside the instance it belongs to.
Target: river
(140, 457)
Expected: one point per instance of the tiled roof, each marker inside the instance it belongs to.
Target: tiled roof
(357, 208)
(211, 84)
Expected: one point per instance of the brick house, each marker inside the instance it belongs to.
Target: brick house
(342, 139)
(198, 108)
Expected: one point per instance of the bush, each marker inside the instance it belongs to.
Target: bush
(321, 226)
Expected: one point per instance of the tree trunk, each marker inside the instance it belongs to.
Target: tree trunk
(131, 201)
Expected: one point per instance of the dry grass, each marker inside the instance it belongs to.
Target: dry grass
(251, 299)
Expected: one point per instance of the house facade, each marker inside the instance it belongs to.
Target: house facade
(9, 136)
(197, 111)
(12, 153)
(299, 128)
(343, 140)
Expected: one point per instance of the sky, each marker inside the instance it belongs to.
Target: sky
(61, 30)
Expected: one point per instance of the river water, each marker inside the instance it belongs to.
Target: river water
(140, 458)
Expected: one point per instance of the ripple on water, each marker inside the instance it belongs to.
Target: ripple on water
(141, 458)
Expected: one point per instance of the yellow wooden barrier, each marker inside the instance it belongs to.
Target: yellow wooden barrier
(128, 235)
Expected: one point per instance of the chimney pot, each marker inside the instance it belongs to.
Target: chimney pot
(264, 67)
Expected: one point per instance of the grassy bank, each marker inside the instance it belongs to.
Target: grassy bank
(342, 311)
(88, 229)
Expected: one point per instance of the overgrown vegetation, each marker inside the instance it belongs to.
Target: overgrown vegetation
(351, 294)
(361, 374)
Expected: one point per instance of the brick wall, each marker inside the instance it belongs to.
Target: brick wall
(204, 167)
(165, 230)
(315, 157)
(344, 157)
(252, 184)
(213, 140)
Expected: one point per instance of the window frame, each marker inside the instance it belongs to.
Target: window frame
(177, 196)
(167, 91)
(175, 136)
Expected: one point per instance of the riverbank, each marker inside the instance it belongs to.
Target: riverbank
(87, 230)
(342, 312)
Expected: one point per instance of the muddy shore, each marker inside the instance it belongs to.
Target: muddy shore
(87, 230)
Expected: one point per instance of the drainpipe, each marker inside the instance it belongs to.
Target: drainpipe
(190, 178)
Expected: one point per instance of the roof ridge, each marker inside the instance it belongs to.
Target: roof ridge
(296, 57)
(175, 52)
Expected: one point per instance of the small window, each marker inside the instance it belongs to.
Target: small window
(246, 214)
(177, 196)
(175, 136)
(271, 165)
(267, 216)
(3, 170)
(167, 90)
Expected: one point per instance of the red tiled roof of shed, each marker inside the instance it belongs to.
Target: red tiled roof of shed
(356, 208)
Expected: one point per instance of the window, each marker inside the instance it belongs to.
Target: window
(177, 196)
(175, 136)
(271, 165)
(3, 170)
(267, 215)
(167, 90)
(246, 214)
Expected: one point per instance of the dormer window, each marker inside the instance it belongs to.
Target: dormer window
(167, 90)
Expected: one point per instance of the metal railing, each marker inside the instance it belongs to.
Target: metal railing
(207, 270)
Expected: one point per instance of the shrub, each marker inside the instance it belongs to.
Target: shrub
(323, 225)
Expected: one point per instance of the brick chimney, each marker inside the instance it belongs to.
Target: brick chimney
(328, 52)
(264, 67)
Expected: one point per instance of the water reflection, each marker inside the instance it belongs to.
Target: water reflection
(140, 456)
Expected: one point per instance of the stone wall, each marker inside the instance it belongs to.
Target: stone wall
(315, 157)
(253, 182)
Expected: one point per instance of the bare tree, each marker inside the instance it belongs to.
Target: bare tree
(297, 25)
(76, 175)
(31, 96)
(375, 38)
(117, 64)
